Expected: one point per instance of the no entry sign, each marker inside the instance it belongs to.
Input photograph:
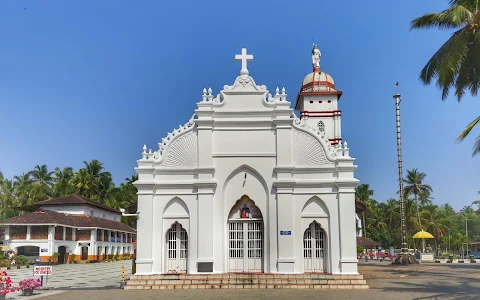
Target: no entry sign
(42, 270)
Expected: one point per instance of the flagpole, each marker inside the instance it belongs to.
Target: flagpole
(404, 257)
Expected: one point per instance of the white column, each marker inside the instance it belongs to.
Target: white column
(205, 226)
(205, 211)
(346, 209)
(29, 230)
(64, 233)
(286, 249)
(51, 233)
(145, 233)
(348, 242)
(7, 233)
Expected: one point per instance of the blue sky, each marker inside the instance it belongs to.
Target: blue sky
(82, 80)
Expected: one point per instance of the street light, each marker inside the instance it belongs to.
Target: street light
(122, 210)
(466, 230)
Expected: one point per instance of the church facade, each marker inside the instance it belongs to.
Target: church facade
(247, 186)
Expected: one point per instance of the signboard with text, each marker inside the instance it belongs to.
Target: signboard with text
(427, 257)
(42, 270)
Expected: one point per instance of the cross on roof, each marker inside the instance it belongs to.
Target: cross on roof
(244, 57)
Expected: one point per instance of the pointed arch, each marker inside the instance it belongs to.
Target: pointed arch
(176, 208)
(316, 208)
(249, 170)
(245, 208)
(176, 248)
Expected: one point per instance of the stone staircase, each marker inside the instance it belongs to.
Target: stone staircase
(246, 281)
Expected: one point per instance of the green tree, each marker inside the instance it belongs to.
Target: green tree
(92, 181)
(8, 198)
(415, 186)
(364, 194)
(456, 65)
(63, 182)
(23, 188)
(43, 180)
(434, 222)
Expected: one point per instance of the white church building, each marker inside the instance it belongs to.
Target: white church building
(247, 186)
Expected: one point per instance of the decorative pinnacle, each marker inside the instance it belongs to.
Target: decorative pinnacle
(277, 91)
(204, 91)
(345, 144)
(144, 148)
(283, 91)
(209, 91)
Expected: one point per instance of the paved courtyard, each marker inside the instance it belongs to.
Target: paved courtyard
(427, 281)
(73, 277)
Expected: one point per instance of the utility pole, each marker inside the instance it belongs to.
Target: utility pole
(466, 231)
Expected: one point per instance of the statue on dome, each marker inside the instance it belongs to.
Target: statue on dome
(316, 56)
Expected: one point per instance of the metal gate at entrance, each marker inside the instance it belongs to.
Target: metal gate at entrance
(245, 252)
(314, 249)
(177, 249)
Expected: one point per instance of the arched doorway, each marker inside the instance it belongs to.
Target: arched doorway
(314, 249)
(177, 249)
(62, 251)
(245, 237)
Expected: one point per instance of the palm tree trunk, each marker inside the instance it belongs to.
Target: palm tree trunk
(419, 221)
(418, 212)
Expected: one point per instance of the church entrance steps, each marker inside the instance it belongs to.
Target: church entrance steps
(246, 281)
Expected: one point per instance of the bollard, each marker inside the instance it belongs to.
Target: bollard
(122, 284)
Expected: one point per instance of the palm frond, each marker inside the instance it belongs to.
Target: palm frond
(450, 59)
(469, 67)
(467, 129)
(476, 146)
(451, 18)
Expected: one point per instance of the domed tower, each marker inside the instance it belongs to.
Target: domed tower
(318, 99)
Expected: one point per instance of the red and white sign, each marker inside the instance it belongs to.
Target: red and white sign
(42, 270)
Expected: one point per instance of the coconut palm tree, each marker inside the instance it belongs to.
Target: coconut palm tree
(41, 175)
(364, 194)
(43, 180)
(132, 179)
(391, 213)
(23, 188)
(104, 179)
(456, 65)
(415, 186)
(63, 185)
(7, 197)
(434, 222)
(85, 184)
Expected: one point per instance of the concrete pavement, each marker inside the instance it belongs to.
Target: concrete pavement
(387, 282)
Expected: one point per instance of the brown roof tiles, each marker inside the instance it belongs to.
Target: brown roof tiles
(68, 200)
(47, 217)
